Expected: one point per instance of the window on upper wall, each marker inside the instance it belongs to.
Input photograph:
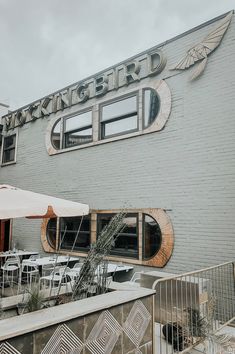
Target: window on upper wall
(152, 237)
(127, 114)
(9, 149)
(75, 229)
(71, 131)
(151, 107)
(120, 117)
(78, 129)
(126, 242)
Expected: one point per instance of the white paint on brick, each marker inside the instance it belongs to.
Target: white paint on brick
(187, 168)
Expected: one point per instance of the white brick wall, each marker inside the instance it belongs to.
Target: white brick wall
(188, 168)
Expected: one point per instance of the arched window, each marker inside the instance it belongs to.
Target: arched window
(138, 112)
(152, 237)
(151, 107)
(51, 233)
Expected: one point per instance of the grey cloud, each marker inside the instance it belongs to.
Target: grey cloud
(46, 45)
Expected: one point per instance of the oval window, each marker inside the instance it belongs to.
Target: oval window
(51, 233)
(151, 106)
(152, 237)
(55, 135)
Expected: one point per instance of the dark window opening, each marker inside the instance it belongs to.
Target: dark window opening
(151, 106)
(126, 243)
(51, 232)
(152, 237)
(9, 146)
(68, 233)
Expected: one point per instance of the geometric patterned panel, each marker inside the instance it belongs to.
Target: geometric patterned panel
(63, 341)
(6, 348)
(102, 338)
(104, 334)
(137, 322)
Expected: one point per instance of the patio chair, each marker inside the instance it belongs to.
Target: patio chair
(33, 257)
(57, 278)
(29, 273)
(11, 273)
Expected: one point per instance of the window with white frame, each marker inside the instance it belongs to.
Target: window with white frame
(119, 117)
(73, 130)
(123, 115)
(9, 149)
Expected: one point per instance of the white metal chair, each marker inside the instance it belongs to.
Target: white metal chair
(59, 276)
(29, 273)
(11, 273)
(135, 279)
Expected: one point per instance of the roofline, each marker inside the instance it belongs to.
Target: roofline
(126, 60)
(4, 105)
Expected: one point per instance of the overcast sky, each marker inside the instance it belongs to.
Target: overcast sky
(48, 44)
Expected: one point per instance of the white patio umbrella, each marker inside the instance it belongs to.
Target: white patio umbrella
(17, 203)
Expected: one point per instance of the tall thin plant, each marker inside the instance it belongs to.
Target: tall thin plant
(86, 284)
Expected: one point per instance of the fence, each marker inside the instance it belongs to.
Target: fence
(191, 308)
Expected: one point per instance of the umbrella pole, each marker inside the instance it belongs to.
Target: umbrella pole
(57, 255)
(75, 240)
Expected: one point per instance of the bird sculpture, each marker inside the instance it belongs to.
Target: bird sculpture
(201, 50)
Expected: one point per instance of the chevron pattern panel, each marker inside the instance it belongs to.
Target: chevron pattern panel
(104, 335)
(6, 348)
(137, 322)
(63, 341)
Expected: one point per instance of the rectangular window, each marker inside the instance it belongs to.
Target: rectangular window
(69, 231)
(120, 117)
(126, 243)
(78, 129)
(9, 149)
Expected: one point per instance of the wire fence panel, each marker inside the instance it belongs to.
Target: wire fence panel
(191, 308)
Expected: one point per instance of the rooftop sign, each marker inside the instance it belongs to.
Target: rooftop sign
(112, 79)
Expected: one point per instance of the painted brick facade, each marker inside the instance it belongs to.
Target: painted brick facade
(187, 168)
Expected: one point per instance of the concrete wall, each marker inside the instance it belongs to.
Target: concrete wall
(90, 326)
(187, 168)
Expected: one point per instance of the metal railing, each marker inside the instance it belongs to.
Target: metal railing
(191, 308)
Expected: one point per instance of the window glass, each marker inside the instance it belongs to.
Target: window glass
(9, 148)
(68, 233)
(119, 126)
(120, 108)
(79, 137)
(79, 121)
(51, 232)
(152, 237)
(126, 243)
(151, 106)
(55, 136)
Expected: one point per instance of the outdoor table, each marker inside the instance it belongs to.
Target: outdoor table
(22, 254)
(44, 261)
(111, 269)
(114, 268)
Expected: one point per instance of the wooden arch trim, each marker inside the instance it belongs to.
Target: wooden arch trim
(159, 260)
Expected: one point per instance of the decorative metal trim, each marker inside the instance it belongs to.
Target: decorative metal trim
(201, 50)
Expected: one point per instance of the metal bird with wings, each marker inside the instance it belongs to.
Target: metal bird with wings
(201, 50)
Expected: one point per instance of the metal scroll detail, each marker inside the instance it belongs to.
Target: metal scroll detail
(201, 50)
